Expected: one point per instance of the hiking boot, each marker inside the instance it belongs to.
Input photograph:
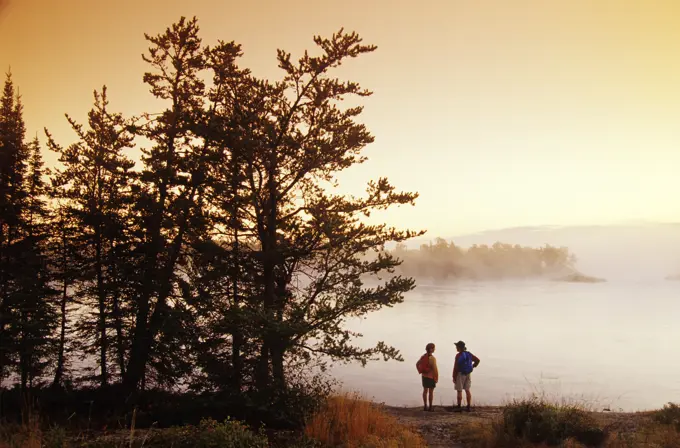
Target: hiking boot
(457, 409)
(467, 409)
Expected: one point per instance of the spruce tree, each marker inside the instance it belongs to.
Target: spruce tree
(13, 167)
(95, 183)
(34, 302)
(66, 267)
(171, 203)
(296, 139)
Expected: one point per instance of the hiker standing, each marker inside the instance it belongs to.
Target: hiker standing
(463, 365)
(427, 367)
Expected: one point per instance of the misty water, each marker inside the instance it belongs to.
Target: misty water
(608, 345)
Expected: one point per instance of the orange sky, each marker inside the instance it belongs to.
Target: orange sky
(500, 113)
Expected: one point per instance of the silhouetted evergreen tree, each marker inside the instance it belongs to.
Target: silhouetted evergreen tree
(14, 161)
(95, 183)
(225, 265)
(172, 185)
(36, 319)
(66, 267)
(296, 139)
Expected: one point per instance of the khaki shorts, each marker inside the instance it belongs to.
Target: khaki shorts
(463, 382)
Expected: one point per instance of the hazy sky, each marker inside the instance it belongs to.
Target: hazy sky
(499, 113)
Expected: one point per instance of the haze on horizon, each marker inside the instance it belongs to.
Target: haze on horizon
(499, 114)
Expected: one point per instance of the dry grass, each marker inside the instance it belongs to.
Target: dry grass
(352, 422)
(657, 429)
(27, 435)
(528, 423)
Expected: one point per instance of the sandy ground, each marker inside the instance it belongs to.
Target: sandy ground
(443, 428)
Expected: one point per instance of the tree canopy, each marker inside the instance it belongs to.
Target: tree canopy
(224, 257)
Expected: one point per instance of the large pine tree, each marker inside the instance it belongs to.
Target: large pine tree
(27, 316)
(94, 186)
(66, 261)
(172, 181)
(312, 243)
(36, 317)
(13, 167)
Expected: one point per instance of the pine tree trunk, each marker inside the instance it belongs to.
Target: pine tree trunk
(237, 338)
(23, 354)
(62, 339)
(118, 323)
(141, 343)
(142, 336)
(138, 350)
(277, 365)
(101, 293)
(3, 302)
(279, 343)
(58, 375)
(117, 315)
(268, 335)
(269, 278)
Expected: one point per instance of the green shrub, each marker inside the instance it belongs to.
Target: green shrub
(540, 422)
(209, 434)
(669, 415)
(55, 437)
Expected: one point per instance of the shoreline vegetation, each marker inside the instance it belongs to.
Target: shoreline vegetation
(349, 420)
(441, 260)
(537, 422)
(579, 278)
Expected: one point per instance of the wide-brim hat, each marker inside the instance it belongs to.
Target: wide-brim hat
(460, 344)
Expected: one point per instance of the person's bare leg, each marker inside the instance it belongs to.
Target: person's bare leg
(459, 397)
(425, 398)
(431, 397)
(468, 395)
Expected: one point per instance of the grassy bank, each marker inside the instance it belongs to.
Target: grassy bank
(352, 422)
(347, 421)
(535, 422)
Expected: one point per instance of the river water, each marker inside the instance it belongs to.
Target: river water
(610, 345)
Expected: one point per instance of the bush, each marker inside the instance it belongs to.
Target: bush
(55, 437)
(669, 415)
(290, 408)
(94, 408)
(209, 434)
(352, 422)
(25, 435)
(540, 422)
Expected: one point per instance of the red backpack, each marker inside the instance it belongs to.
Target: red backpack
(423, 364)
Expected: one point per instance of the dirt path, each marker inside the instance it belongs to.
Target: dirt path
(446, 429)
(442, 428)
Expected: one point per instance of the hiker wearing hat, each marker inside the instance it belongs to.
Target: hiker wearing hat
(427, 367)
(463, 365)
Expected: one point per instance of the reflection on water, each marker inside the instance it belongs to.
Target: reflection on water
(610, 345)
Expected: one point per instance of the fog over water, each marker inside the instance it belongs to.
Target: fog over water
(611, 345)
